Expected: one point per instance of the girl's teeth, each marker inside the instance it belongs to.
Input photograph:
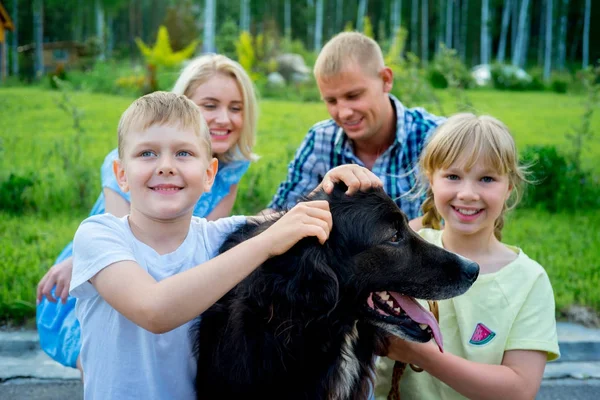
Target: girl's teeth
(467, 212)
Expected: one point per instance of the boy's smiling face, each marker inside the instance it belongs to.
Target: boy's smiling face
(166, 169)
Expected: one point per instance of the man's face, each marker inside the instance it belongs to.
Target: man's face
(357, 100)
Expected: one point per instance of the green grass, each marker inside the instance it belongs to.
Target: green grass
(35, 134)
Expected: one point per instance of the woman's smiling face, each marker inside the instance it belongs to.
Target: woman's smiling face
(222, 106)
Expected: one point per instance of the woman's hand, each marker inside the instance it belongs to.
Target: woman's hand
(59, 275)
(354, 176)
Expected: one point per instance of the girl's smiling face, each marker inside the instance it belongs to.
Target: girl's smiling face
(222, 106)
(470, 201)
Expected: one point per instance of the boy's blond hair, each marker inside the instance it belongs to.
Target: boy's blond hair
(348, 48)
(467, 138)
(163, 108)
(200, 70)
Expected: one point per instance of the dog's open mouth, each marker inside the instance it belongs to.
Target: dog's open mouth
(406, 312)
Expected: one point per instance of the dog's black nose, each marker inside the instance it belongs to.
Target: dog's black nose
(471, 271)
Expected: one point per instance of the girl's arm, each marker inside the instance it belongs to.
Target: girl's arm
(223, 209)
(59, 275)
(162, 306)
(518, 377)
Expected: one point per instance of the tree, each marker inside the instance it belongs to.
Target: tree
(287, 17)
(520, 44)
(38, 29)
(208, 38)
(548, 46)
(562, 35)
(360, 17)
(15, 38)
(395, 17)
(449, 23)
(245, 16)
(318, 25)
(586, 33)
(463, 29)
(414, 23)
(504, 31)
(425, 31)
(485, 34)
(99, 12)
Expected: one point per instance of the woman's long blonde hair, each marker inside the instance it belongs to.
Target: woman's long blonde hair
(467, 138)
(200, 70)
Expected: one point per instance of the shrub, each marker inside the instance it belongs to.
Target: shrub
(15, 193)
(560, 82)
(508, 77)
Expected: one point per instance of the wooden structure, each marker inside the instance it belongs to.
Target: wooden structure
(6, 24)
(66, 54)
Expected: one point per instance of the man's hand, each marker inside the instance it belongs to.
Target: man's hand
(354, 176)
(59, 275)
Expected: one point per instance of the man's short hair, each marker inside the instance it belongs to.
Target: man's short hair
(163, 108)
(346, 48)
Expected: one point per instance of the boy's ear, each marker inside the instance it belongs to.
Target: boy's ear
(388, 79)
(211, 172)
(119, 172)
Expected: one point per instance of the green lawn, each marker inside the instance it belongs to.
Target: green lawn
(36, 135)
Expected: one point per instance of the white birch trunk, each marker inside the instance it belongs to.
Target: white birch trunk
(456, 28)
(542, 34)
(318, 25)
(99, 11)
(586, 34)
(360, 16)
(562, 36)
(514, 24)
(395, 17)
(425, 32)
(440, 26)
(15, 39)
(463, 29)
(287, 10)
(484, 34)
(339, 16)
(110, 35)
(38, 37)
(504, 32)
(548, 46)
(208, 39)
(526, 38)
(521, 32)
(414, 26)
(449, 23)
(245, 16)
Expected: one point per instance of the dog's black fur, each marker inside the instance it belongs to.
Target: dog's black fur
(299, 326)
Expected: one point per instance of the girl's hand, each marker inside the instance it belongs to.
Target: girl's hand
(409, 352)
(59, 275)
(354, 176)
(311, 218)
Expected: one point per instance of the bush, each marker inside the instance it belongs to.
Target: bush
(508, 77)
(560, 82)
(556, 182)
(447, 69)
(15, 193)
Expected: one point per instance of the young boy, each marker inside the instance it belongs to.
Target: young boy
(139, 280)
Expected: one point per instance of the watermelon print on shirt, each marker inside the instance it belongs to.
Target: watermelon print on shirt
(482, 335)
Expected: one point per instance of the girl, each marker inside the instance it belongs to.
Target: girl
(497, 336)
(225, 94)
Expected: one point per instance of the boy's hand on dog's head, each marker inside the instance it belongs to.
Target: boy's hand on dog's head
(354, 176)
(310, 218)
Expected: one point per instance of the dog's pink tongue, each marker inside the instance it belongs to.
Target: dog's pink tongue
(419, 314)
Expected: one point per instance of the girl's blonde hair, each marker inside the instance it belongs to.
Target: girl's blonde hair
(467, 138)
(199, 71)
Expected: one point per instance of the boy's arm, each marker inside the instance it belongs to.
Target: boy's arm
(518, 377)
(162, 306)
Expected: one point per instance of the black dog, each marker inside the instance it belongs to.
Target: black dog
(308, 324)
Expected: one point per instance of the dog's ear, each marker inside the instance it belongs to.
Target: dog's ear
(315, 284)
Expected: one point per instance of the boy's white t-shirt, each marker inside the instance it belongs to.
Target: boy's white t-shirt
(120, 359)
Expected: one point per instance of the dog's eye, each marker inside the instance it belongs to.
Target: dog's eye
(395, 238)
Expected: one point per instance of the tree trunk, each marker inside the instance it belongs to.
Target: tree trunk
(110, 33)
(99, 11)
(38, 29)
(541, 44)
(440, 26)
(208, 37)
(15, 39)
(395, 17)
(586, 34)
(318, 25)
(449, 23)
(463, 29)
(456, 28)
(360, 15)
(514, 30)
(425, 32)
(287, 10)
(526, 39)
(485, 36)
(548, 51)
(414, 24)
(245, 16)
(504, 31)
(521, 32)
(562, 36)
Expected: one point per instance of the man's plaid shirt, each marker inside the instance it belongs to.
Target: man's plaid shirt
(326, 146)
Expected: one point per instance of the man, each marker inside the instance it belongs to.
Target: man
(369, 126)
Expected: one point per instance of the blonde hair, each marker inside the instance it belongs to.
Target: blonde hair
(346, 48)
(199, 71)
(163, 108)
(467, 138)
